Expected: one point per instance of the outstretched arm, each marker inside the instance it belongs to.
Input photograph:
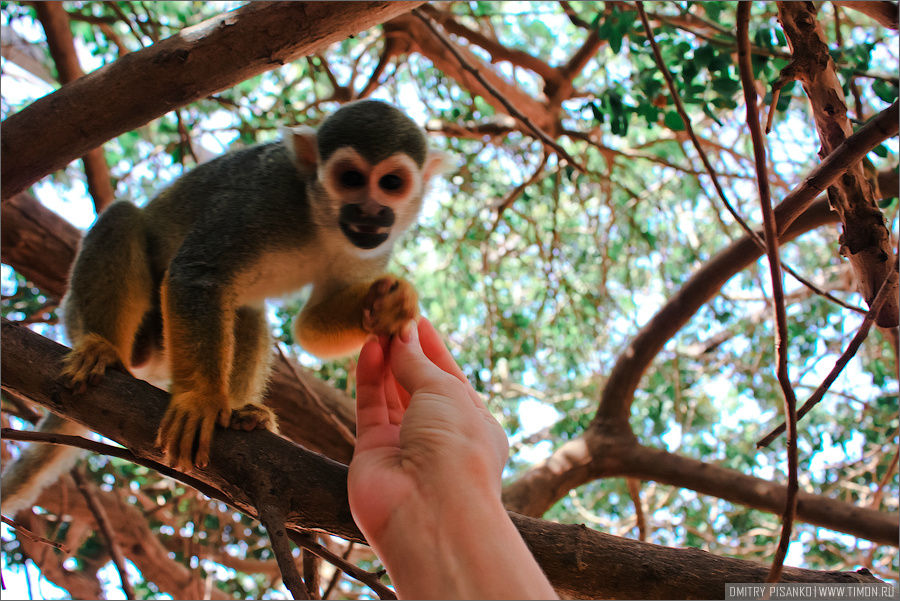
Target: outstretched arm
(424, 482)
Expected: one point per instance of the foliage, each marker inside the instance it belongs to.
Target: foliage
(539, 300)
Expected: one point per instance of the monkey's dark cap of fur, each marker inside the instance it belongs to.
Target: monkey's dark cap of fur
(374, 129)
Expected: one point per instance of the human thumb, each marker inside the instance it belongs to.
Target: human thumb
(411, 367)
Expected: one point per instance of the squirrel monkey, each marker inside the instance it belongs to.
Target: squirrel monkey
(175, 290)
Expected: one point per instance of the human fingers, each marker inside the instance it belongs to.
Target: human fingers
(412, 369)
(436, 350)
(397, 398)
(371, 403)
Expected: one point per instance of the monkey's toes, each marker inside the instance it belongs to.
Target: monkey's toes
(88, 361)
(253, 417)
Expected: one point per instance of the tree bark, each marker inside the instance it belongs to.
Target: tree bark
(55, 21)
(865, 240)
(186, 67)
(37, 243)
(249, 468)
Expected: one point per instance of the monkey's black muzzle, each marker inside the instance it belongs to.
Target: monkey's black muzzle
(366, 230)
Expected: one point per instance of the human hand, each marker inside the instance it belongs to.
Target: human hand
(423, 433)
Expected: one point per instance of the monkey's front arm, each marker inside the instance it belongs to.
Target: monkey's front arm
(339, 324)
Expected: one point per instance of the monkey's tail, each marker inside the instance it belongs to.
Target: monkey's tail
(39, 465)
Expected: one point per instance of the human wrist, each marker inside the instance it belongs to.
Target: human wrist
(462, 545)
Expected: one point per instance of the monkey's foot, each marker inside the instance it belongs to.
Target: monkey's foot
(253, 416)
(390, 303)
(88, 361)
(189, 421)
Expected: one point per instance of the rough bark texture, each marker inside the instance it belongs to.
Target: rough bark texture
(253, 468)
(197, 62)
(37, 243)
(865, 241)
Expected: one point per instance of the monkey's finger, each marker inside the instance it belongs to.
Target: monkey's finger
(162, 435)
(224, 417)
(186, 440)
(172, 437)
(206, 426)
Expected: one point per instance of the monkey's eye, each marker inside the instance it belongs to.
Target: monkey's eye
(391, 182)
(352, 179)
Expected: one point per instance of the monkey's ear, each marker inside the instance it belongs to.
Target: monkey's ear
(436, 162)
(301, 144)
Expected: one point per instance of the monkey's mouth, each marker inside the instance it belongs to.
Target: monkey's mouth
(365, 235)
(364, 229)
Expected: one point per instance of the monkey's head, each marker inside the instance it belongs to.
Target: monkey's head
(368, 165)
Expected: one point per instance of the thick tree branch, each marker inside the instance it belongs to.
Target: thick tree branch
(37, 243)
(424, 41)
(190, 65)
(498, 51)
(865, 240)
(311, 490)
(881, 10)
(598, 454)
(615, 401)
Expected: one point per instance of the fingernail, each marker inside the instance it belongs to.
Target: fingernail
(406, 331)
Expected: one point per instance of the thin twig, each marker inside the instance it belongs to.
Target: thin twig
(512, 110)
(634, 490)
(781, 334)
(328, 413)
(90, 495)
(38, 539)
(368, 578)
(516, 193)
(337, 571)
(849, 352)
(311, 563)
(679, 107)
(273, 521)
(105, 449)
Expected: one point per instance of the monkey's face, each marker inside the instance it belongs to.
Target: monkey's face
(374, 203)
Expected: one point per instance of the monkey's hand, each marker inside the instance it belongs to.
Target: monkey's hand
(88, 360)
(389, 303)
(191, 418)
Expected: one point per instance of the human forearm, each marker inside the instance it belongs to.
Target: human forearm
(459, 548)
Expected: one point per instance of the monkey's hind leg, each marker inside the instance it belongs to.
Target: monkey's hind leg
(110, 290)
(250, 371)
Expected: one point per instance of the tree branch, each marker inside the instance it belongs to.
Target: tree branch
(115, 551)
(865, 240)
(777, 280)
(311, 490)
(186, 67)
(882, 11)
(55, 21)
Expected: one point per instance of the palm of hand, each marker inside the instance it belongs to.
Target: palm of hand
(419, 445)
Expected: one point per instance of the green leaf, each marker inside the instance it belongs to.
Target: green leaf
(673, 121)
(885, 90)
